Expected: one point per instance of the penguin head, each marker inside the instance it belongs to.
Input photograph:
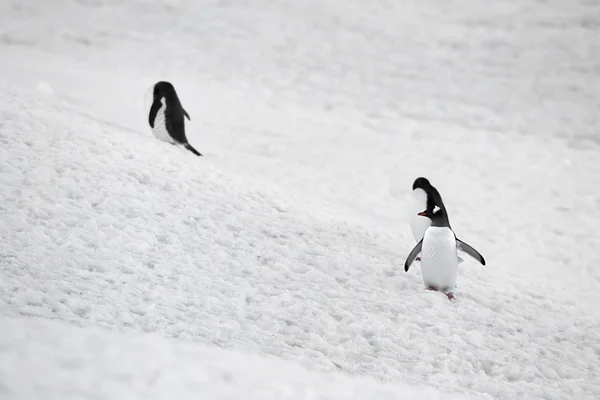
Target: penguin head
(432, 213)
(437, 215)
(421, 183)
(431, 194)
(164, 89)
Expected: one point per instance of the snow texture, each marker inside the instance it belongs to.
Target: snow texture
(93, 363)
(288, 238)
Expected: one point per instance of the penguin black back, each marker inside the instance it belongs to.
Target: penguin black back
(167, 115)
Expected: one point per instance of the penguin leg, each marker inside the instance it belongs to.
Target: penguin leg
(450, 295)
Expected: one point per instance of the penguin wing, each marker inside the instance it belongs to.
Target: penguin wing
(153, 111)
(412, 255)
(470, 251)
(186, 114)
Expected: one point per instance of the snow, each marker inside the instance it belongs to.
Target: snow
(102, 365)
(287, 239)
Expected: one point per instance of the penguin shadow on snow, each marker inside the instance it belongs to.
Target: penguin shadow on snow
(437, 243)
(167, 116)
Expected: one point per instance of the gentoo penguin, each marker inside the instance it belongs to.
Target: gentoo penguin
(167, 116)
(424, 196)
(438, 253)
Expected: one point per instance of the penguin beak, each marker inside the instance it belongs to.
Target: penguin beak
(423, 213)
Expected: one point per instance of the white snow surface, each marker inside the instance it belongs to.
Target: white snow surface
(75, 363)
(287, 240)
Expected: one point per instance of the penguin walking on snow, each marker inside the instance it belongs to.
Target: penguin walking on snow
(438, 249)
(424, 196)
(166, 116)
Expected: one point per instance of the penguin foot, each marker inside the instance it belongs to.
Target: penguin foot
(450, 295)
(418, 259)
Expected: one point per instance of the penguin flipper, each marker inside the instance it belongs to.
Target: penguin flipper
(186, 114)
(193, 150)
(470, 251)
(412, 255)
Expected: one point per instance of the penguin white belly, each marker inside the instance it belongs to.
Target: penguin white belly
(439, 259)
(417, 202)
(160, 125)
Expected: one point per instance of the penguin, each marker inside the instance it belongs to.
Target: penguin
(438, 248)
(424, 196)
(166, 116)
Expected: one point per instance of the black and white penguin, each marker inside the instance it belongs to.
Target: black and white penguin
(166, 116)
(424, 196)
(438, 248)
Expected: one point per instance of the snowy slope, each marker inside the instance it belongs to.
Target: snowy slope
(289, 236)
(95, 235)
(74, 363)
(344, 99)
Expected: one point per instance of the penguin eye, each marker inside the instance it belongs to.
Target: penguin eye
(436, 209)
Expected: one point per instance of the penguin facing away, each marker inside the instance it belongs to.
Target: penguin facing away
(166, 116)
(438, 249)
(424, 196)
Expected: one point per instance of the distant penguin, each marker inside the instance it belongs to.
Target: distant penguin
(424, 196)
(166, 116)
(438, 250)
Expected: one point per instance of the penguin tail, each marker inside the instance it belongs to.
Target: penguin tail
(193, 150)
